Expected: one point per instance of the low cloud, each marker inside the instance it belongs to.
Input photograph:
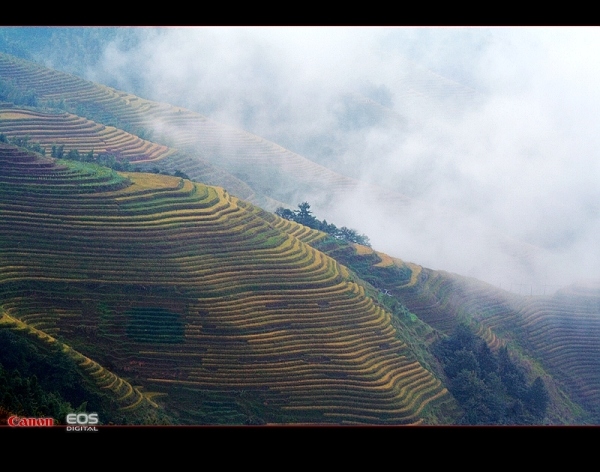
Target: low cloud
(492, 129)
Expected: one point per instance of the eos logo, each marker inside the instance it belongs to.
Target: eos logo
(82, 418)
(84, 421)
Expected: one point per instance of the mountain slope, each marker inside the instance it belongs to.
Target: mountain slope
(176, 286)
(555, 337)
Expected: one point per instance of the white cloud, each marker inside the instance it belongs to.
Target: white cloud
(517, 153)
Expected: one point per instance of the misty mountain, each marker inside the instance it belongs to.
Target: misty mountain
(488, 125)
(460, 174)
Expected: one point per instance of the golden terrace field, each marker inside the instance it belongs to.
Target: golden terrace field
(186, 291)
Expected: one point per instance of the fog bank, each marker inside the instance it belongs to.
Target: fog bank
(493, 127)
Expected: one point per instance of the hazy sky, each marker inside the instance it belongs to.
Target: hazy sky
(510, 140)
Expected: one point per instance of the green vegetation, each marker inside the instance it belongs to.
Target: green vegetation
(304, 216)
(364, 265)
(9, 92)
(103, 160)
(154, 325)
(39, 380)
(490, 388)
(23, 142)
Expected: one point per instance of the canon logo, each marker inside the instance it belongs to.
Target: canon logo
(30, 422)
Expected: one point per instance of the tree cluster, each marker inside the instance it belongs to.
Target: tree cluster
(38, 381)
(23, 396)
(304, 216)
(490, 388)
(23, 142)
(105, 160)
(11, 93)
(176, 173)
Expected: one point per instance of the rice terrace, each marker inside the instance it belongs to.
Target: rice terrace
(158, 267)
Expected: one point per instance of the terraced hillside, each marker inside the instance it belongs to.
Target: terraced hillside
(274, 173)
(76, 133)
(110, 108)
(183, 289)
(558, 333)
(130, 401)
(225, 146)
(563, 332)
(270, 169)
(556, 337)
